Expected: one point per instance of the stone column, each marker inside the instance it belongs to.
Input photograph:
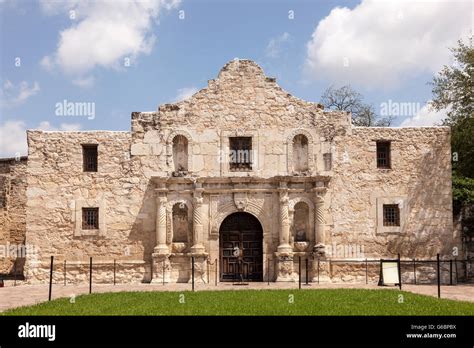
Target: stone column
(284, 235)
(198, 216)
(319, 236)
(284, 254)
(319, 220)
(161, 263)
(198, 251)
(161, 200)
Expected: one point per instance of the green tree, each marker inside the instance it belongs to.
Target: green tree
(453, 91)
(453, 87)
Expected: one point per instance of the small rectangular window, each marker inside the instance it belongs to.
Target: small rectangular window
(391, 215)
(89, 158)
(240, 156)
(90, 218)
(383, 154)
(327, 158)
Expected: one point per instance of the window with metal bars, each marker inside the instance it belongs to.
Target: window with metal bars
(240, 156)
(383, 154)
(89, 157)
(391, 215)
(90, 218)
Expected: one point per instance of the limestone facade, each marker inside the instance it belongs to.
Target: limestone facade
(12, 215)
(164, 189)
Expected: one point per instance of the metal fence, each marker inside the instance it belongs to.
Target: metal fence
(308, 271)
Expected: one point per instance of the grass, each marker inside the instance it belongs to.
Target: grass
(251, 302)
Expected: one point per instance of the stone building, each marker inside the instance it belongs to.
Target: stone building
(12, 215)
(244, 178)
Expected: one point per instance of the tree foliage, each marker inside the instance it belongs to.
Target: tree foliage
(347, 99)
(453, 91)
(453, 87)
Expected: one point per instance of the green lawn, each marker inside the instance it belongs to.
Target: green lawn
(251, 302)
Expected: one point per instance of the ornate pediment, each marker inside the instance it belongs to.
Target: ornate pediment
(240, 95)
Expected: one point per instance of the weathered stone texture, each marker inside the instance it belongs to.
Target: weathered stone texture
(420, 175)
(57, 184)
(12, 213)
(137, 185)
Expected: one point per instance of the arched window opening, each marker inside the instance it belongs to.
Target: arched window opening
(300, 153)
(301, 222)
(180, 153)
(180, 223)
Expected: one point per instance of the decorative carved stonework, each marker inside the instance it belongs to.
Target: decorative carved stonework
(224, 205)
(285, 267)
(240, 200)
(161, 268)
(319, 250)
(200, 269)
(169, 225)
(320, 271)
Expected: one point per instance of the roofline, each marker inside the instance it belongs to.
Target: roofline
(400, 127)
(9, 159)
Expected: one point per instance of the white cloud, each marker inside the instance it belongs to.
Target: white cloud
(13, 136)
(378, 43)
(274, 46)
(46, 126)
(84, 81)
(185, 93)
(69, 127)
(102, 33)
(12, 139)
(425, 117)
(13, 95)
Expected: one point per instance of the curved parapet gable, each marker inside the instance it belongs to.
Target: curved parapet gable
(242, 96)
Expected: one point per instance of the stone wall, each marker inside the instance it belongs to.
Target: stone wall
(58, 188)
(12, 214)
(242, 101)
(419, 179)
(135, 167)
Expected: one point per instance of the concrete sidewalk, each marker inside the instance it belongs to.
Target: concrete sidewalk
(23, 295)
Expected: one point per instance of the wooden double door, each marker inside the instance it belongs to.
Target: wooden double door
(241, 248)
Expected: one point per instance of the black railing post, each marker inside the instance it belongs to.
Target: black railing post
(192, 272)
(90, 275)
(439, 278)
(299, 272)
(464, 262)
(307, 272)
(451, 272)
(216, 271)
(51, 278)
(414, 270)
(115, 265)
(456, 270)
(399, 273)
(64, 272)
(329, 269)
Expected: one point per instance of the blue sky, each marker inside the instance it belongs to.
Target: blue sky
(387, 50)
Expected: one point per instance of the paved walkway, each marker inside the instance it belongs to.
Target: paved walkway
(23, 295)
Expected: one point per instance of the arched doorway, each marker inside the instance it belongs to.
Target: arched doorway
(242, 232)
